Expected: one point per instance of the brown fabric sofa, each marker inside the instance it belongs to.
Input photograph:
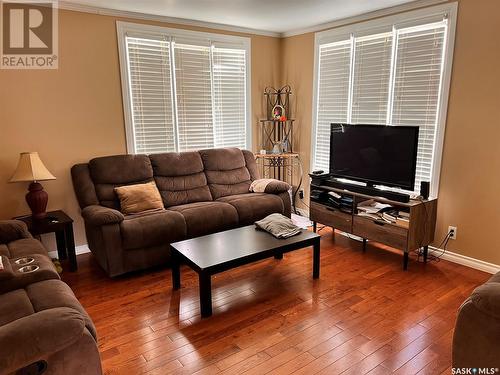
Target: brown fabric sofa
(203, 192)
(43, 328)
(477, 330)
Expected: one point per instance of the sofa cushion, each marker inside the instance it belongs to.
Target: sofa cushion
(226, 171)
(40, 296)
(486, 298)
(112, 171)
(23, 247)
(139, 198)
(11, 230)
(50, 294)
(254, 206)
(151, 229)
(207, 217)
(180, 178)
(14, 305)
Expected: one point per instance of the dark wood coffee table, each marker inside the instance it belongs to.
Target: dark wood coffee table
(218, 252)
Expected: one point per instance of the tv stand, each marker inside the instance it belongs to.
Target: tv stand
(419, 234)
(365, 189)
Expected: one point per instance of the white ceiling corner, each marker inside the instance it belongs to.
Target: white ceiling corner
(267, 17)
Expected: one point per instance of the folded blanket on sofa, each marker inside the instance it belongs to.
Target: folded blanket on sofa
(269, 185)
(278, 225)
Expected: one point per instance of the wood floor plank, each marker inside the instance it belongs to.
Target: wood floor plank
(363, 316)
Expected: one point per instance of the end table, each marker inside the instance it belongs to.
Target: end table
(61, 224)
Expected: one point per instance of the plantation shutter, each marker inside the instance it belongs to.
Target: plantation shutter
(372, 71)
(150, 95)
(416, 88)
(194, 97)
(229, 90)
(333, 96)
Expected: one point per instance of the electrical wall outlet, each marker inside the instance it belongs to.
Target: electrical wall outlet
(453, 230)
(301, 194)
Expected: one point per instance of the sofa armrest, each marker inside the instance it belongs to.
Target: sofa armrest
(277, 187)
(12, 230)
(486, 298)
(34, 337)
(100, 215)
(270, 186)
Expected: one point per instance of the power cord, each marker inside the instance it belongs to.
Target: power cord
(442, 245)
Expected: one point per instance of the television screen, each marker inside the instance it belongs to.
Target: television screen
(375, 154)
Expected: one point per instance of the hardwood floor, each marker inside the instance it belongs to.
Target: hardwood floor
(363, 316)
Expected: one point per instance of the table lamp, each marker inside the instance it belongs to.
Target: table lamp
(30, 168)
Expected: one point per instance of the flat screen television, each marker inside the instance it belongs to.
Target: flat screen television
(374, 154)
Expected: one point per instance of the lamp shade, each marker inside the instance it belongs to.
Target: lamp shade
(31, 168)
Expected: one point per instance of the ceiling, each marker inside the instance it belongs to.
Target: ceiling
(279, 16)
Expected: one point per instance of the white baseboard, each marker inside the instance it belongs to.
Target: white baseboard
(82, 249)
(450, 256)
(477, 264)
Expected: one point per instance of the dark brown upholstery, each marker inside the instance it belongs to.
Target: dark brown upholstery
(150, 229)
(475, 339)
(86, 193)
(180, 178)
(253, 206)
(207, 217)
(19, 280)
(226, 171)
(22, 247)
(276, 187)
(203, 192)
(11, 230)
(251, 165)
(40, 318)
(111, 171)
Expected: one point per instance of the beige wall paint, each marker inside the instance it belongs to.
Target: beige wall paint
(75, 113)
(470, 173)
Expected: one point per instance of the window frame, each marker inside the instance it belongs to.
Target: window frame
(387, 23)
(124, 29)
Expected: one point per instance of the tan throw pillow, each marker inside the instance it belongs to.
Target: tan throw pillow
(139, 198)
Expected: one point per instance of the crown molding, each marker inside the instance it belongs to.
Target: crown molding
(364, 17)
(66, 5)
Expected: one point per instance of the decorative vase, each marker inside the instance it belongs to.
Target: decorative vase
(37, 199)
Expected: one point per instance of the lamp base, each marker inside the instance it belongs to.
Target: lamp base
(37, 199)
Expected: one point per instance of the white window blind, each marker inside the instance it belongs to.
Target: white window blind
(183, 90)
(333, 95)
(229, 87)
(394, 78)
(151, 95)
(416, 89)
(194, 97)
(372, 70)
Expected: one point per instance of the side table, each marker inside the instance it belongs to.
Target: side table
(61, 224)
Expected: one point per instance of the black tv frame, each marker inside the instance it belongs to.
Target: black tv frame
(371, 183)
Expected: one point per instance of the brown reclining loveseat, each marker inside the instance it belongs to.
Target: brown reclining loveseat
(203, 192)
(476, 343)
(43, 327)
